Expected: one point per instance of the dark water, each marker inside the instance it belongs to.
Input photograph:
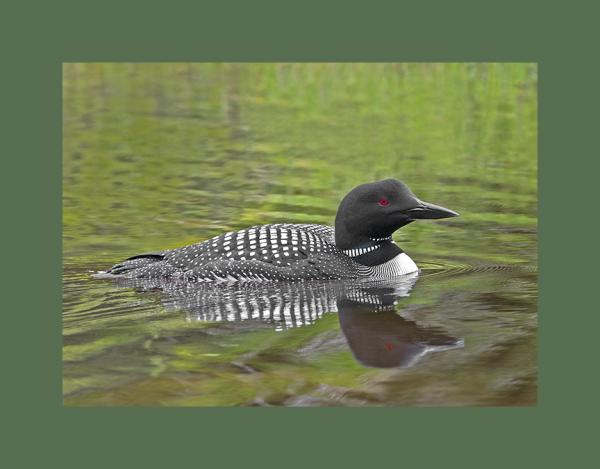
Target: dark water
(159, 156)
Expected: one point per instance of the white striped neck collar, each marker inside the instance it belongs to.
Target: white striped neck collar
(374, 244)
(376, 240)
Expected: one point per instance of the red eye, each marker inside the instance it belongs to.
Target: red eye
(383, 202)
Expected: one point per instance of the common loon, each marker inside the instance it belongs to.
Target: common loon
(360, 245)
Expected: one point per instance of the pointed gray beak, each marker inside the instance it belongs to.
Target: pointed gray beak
(427, 211)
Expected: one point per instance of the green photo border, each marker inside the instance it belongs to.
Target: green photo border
(40, 433)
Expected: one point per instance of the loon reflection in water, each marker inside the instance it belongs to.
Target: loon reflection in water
(376, 333)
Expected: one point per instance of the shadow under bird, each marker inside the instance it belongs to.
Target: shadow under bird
(360, 245)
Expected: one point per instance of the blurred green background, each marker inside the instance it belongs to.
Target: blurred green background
(159, 155)
(162, 155)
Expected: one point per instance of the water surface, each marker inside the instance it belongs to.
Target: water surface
(157, 156)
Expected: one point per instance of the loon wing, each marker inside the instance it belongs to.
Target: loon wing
(266, 252)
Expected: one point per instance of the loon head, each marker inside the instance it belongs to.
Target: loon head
(375, 210)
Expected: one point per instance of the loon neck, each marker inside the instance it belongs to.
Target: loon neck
(374, 252)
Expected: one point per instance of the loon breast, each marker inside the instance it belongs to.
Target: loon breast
(402, 264)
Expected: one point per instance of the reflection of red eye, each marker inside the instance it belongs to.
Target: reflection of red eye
(383, 202)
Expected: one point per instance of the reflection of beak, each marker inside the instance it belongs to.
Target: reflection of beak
(427, 211)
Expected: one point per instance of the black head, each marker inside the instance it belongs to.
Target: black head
(377, 209)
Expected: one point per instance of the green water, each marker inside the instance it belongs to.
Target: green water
(158, 156)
